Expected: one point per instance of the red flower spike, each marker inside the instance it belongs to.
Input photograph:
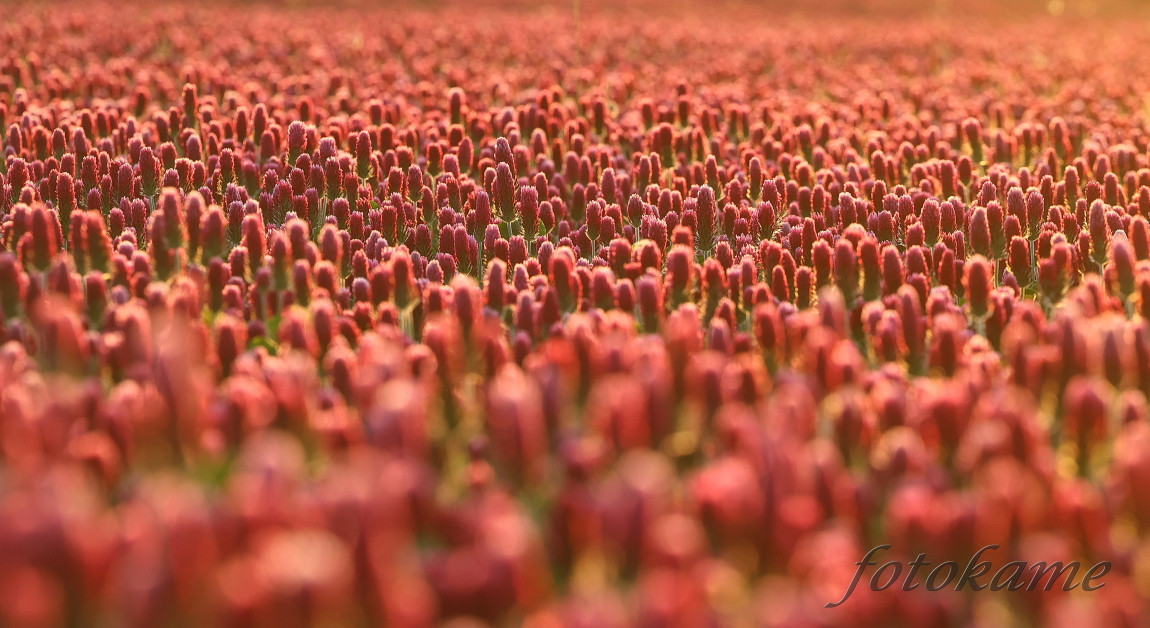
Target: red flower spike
(977, 283)
(65, 198)
(1142, 296)
(846, 270)
(504, 192)
(821, 259)
(706, 210)
(980, 238)
(1011, 229)
(494, 285)
(892, 270)
(603, 288)
(149, 172)
(254, 241)
(1115, 360)
(77, 241)
(1018, 259)
(972, 133)
(1035, 210)
(1084, 418)
(650, 302)
(64, 346)
(296, 141)
(1139, 236)
(868, 252)
(680, 275)
(1099, 232)
(804, 287)
(37, 247)
(13, 285)
(1119, 268)
(529, 211)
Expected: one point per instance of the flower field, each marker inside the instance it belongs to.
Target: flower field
(571, 315)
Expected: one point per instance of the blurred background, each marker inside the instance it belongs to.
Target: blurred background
(822, 9)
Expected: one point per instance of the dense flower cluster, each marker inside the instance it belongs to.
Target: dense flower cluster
(316, 318)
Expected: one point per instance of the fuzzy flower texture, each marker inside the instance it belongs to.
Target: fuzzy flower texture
(478, 316)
